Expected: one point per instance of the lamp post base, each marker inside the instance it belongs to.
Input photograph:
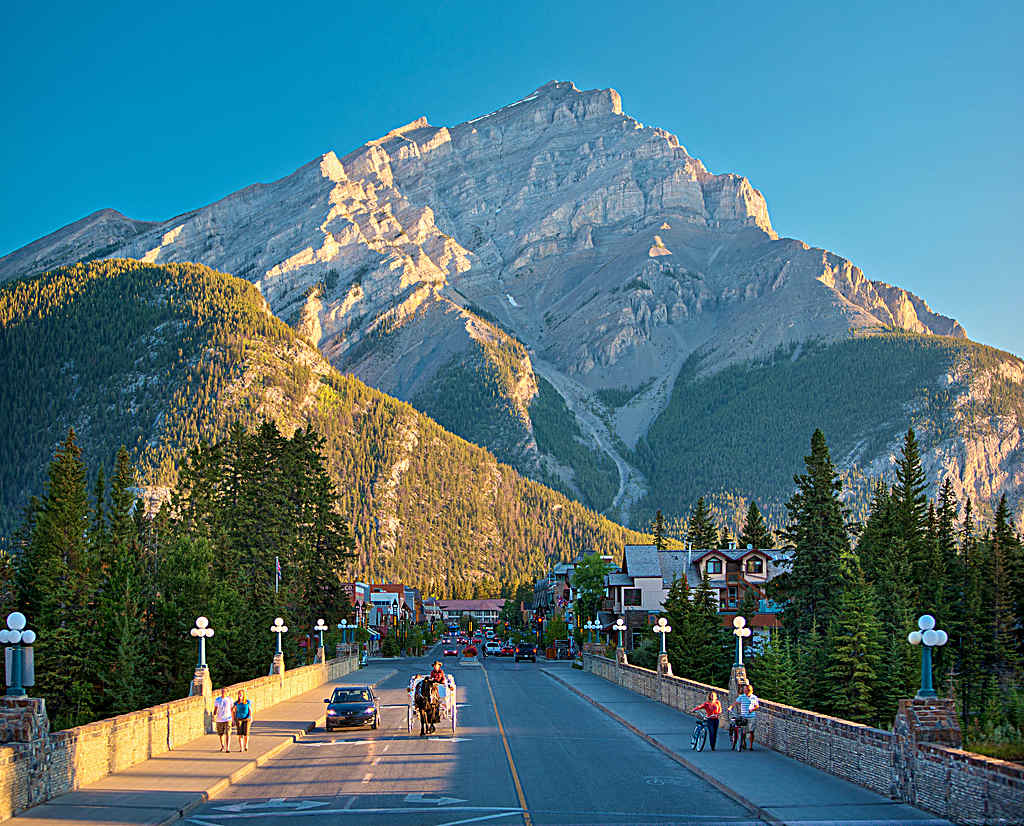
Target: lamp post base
(320, 656)
(201, 685)
(664, 666)
(737, 679)
(277, 666)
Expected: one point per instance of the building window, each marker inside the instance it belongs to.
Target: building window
(732, 596)
(631, 596)
(755, 565)
(714, 566)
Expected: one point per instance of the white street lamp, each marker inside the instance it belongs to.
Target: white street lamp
(620, 626)
(202, 631)
(16, 635)
(592, 627)
(343, 626)
(662, 627)
(927, 637)
(320, 626)
(740, 630)
(278, 628)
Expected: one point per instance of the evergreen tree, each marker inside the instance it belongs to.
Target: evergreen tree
(911, 518)
(725, 538)
(755, 533)
(773, 671)
(816, 531)
(701, 531)
(658, 530)
(56, 587)
(854, 651)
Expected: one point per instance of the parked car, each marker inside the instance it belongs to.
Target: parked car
(451, 650)
(526, 651)
(493, 649)
(352, 705)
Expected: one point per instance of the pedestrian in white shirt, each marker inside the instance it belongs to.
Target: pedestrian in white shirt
(222, 719)
(747, 703)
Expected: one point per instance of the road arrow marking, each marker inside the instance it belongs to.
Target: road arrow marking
(449, 739)
(317, 744)
(273, 803)
(419, 797)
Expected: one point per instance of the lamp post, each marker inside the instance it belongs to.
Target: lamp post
(320, 626)
(662, 627)
(592, 626)
(202, 631)
(927, 637)
(619, 626)
(18, 636)
(740, 630)
(278, 628)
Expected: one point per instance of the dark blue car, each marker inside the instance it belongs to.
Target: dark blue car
(353, 705)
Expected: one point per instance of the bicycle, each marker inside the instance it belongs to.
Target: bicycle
(737, 728)
(700, 732)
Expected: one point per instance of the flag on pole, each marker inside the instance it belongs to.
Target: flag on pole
(277, 574)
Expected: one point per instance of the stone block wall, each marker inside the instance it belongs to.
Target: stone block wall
(955, 784)
(37, 767)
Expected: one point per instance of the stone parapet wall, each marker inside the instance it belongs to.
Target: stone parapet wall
(38, 768)
(958, 785)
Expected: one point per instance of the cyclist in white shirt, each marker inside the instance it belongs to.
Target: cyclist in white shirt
(747, 703)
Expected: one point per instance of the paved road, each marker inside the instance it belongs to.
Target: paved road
(559, 760)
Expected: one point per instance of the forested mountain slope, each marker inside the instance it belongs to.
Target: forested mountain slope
(158, 357)
(741, 430)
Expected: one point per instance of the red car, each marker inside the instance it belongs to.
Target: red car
(507, 650)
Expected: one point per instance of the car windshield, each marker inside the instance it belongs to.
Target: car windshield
(351, 695)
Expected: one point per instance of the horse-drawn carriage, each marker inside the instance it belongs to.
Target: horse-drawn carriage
(431, 702)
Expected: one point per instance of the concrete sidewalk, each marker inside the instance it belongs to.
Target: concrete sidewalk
(772, 786)
(163, 789)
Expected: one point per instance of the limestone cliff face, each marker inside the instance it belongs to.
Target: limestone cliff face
(598, 242)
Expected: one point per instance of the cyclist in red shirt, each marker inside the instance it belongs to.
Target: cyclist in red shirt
(713, 709)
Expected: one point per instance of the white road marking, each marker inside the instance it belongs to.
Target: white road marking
(420, 797)
(386, 747)
(449, 739)
(380, 811)
(274, 803)
(366, 777)
(478, 819)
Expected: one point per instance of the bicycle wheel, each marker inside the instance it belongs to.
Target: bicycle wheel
(702, 738)
(694, 737)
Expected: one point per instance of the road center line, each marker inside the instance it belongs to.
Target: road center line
(527, 821)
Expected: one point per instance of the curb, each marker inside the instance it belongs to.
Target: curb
(710, 779)
(218, 788)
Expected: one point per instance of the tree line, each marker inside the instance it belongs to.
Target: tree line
(853, 591)
(113, 592)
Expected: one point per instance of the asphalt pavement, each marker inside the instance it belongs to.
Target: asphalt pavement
(526, 750)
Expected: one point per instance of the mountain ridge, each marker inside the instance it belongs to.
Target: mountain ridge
(605, 252)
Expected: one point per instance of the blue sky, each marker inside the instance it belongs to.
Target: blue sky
(889, 133)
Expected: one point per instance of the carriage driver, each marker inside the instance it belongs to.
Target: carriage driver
(437, 673)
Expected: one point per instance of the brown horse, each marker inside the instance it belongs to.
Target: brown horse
(428, 704)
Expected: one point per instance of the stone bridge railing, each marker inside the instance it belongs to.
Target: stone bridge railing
(37, 765)
(916, 763)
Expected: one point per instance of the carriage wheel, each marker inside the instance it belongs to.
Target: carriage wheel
(409, 719)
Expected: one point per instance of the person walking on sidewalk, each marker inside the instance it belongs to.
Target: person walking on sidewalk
(747, 703)
(243, 719)
(713, 709)
(222, 718)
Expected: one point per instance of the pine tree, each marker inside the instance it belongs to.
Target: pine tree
(755, 533)
(701, 531)
(56, 587)
(817, 532)
(725, 538)
(773, 672)
(911, 518)
(658, 530)
(854, 651)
